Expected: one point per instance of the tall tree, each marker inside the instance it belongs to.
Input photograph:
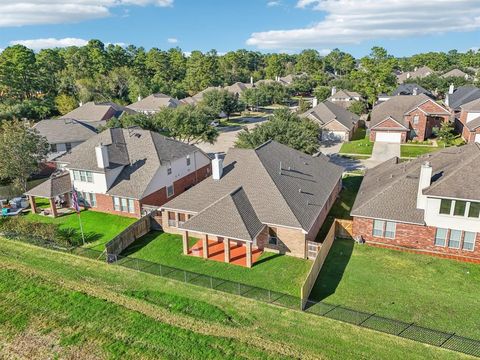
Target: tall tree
(18, 73)
(222, 101)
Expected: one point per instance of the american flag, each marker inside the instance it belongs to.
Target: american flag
(75, 204)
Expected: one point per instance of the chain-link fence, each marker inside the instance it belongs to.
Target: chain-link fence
(367, 320)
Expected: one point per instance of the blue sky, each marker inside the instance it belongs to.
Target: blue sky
(265, 25)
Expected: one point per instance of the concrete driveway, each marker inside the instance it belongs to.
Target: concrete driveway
(383, 151)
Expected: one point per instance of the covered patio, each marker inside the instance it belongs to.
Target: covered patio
(57, 189)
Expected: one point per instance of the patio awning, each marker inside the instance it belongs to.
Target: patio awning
(231, 217)
(56, 185)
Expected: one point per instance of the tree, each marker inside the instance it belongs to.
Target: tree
(446, 133)
(188, 123)
(302, 106)
(22, 149)
(286, 128)
(65, 103)
(322, 93)
(222, 101)
(309, 61)
(358, 108)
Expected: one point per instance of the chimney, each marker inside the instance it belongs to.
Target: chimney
(139, 98)
(101, 153)
(334, 90)
(424, 182)
(314, 102)
(451, 89)
(217, 168)
(251, 80)
(415, 91)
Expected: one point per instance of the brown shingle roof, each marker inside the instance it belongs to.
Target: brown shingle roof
(94, 112)
(153, 103)
(327, 111)
(57, 184)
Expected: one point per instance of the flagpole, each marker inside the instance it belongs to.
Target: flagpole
(81, 226)
(76, 206)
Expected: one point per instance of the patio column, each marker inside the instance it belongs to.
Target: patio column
(185, 242)
(33, 205)
(53, 207)
(226, 245)
(205, 246)
(177, 218)
(248, 245)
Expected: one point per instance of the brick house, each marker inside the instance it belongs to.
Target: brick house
(428, 205)
(126, 171)
(406, 117)
(272, 197)
(469, 121)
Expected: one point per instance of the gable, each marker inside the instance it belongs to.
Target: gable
(335, 125)
(389, 123)
(431, 107)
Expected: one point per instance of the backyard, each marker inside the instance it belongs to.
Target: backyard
(272, 271)
(359, 145)
(433, 292)
(99, 228)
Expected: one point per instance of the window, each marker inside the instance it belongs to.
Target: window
(416, 119)
(170, 191)
(84, 176)
(469, 240)
(460, 207)
(454, 239)
(123, 205)
(89, 176)
(88, 199)
(76, 175)
(445, 206)
(131, 206)
(474, 211)
(68, 146)
(188, 160)
(116, 203)
(169, 170)
(441, 237)
(378, 226)
(272, 236)
(390, 229)
(53, 148)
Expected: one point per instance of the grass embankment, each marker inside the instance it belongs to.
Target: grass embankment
(59, 305)
(276, 272)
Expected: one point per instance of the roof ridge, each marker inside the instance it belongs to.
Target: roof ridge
(238, 210)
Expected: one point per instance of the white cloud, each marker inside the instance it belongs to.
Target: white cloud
(37, 44)
(34, 12)
(354, 21)
(273, 3)
(172, 40)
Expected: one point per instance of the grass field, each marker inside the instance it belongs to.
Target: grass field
(55, 305)
(360, 144)
(412, 151)
(433, 292)
(275, 272)
(99, 227)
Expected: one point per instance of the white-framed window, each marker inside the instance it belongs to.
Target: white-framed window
(131, 206)
(474, 211)
(116, 203)
(272, 236)
(170, 191)
(459, 208)
(83, 176)
(416, 120)
(454, 239)
(469, 240)
(124, 204)
(445, 206)
(89, 199)
(169, 170)
(441, 237)
(390, 230)
(188, 160)
(382, 228)
(378, 226)
(76, 175)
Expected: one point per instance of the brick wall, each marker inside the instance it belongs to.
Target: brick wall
(413, 237)
(467, 135)
(290, 242)
(105, 204)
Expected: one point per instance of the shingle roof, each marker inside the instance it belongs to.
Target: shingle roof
(408, 89)
(474, 124)
(139, 152)
(154, 102)
(58, 131)
(92, 111)
(455, 73)
(473, 105)
(284, 186)
(57, 184)
(232, 216)
(237, 88)
(462, 95)
(341, 94)
(327, 111)
(389, 191)
(419, 73)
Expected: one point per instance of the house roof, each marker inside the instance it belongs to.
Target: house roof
(418, 73)
(474, 124)
(140, 153)
(389, 191)
(231, 216)
(327, 111)
(154, 102)
(342, 94)
(284, 186)
(238, 87)
(472, 106)
(58, 131)
(94, 112)
(462, 95)
(408, 89)
(396, 107)
(455, 73)
(57, 184)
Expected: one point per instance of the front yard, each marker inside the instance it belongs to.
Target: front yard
(413, 151)
(280, 273)
(99, 228)
(433, 292)
(359, 145)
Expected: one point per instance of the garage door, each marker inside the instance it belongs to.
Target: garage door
(393, 137)
(477, 138)
(333, 135)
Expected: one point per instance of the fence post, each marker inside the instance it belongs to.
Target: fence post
(443, 343)
(185, 274)
(160, 269)
(401, 332)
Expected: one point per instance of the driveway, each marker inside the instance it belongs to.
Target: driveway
(383, 151)
(330, 147)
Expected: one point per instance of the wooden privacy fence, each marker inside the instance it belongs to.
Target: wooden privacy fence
(339, 228)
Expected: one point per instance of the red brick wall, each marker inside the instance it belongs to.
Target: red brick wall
(105, 204)
(467, 135)
(413, 237)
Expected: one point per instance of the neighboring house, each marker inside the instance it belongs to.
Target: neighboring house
(456, 73)
(406, 117)
(469, 121)
(411, 89)
(127, 171)
(344, 98)
(272, 197)
(335, 122)
(96, 113)
(154, 103)
(238, 88)
(455, 98)
(64, 134)
(428, 205)
(417, 73)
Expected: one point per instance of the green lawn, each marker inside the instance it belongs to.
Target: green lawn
(360, 144)
(412, 151)
(437, 293)
(56, 305)
(275, 272)
(99, 228)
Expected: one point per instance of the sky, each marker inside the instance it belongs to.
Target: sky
(403, 27)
